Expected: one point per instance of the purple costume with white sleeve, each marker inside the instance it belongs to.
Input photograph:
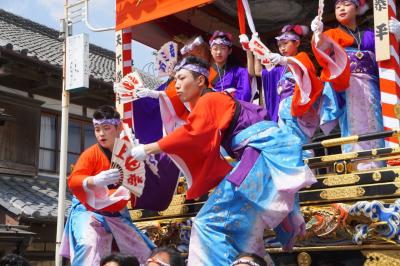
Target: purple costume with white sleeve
(235, 77)
(148, 129)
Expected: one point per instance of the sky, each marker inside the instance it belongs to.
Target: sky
(101, 15)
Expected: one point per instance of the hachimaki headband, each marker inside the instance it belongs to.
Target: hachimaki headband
(292, 33)
(220, 37)
(192, 67)
(106, 121)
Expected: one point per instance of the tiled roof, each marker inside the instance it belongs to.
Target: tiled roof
(40, 42)
(31, 197)
(14, 230)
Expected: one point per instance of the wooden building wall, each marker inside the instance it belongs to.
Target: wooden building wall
(19, 139)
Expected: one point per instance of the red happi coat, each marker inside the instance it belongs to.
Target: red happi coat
(91, 162)
(195, 147)
(305, 75)
(333, 58)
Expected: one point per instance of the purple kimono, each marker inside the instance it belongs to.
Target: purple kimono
(233, 77)
(361, 100)
(270, 80)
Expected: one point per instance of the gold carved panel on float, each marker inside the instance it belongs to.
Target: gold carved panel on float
(136, 214)
(382, 258)
(304, 259)
(342, 193)
(339, 141)
(337, 157)
(336, 180)
(174, 210)
(376, 176)
(178, 200)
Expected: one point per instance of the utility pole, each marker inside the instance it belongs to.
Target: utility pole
(78, 15)
(64, 141)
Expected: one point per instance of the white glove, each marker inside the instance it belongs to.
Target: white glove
(138, 153)
(144, 92)
(394, 27)
(277, 59)
(317, 27)
(244, 41)
(107, 177)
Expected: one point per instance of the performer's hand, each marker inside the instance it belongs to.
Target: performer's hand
(144, 92)
(107, 177)
(244, 41)
(255, 35)
(394, 27)
(317, 27)
(277, 59)
(138, 153)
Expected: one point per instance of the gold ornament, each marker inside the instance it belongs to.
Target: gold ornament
(304, 259)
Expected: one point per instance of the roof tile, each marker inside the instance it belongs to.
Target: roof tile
(38, 41)
(31, 197)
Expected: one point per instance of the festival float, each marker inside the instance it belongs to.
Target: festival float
(352, 215)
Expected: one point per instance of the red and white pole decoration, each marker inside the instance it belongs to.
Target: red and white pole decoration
(123, 66)
(387, 55)
(259, 50)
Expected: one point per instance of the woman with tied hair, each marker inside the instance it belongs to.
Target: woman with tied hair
(258, 192)
(225, 73)
(292, 88)
(347, 56)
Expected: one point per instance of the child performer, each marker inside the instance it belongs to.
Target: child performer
(259, 191)
(292, 88)
(347, 55)
(99, 222)
(225, 75)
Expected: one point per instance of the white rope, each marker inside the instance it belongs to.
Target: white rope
(249, 17)
(320, 14)
(259, 49)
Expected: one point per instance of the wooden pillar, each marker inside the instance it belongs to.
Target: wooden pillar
(387, 52)
(123, 66)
